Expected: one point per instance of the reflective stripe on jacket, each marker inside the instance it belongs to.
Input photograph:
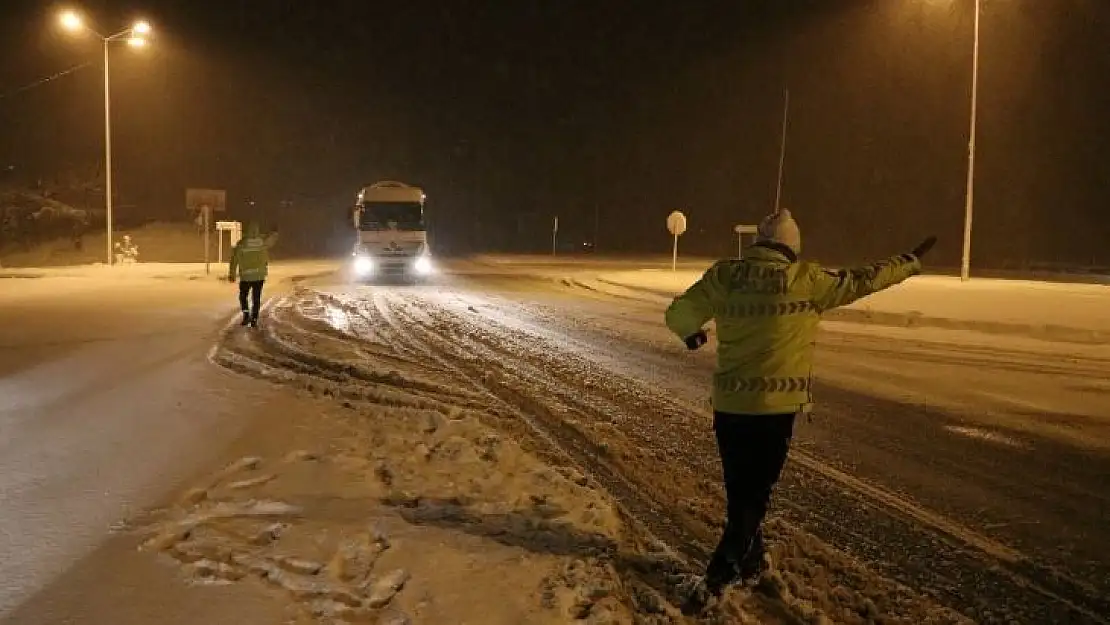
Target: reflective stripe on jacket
(767, 306)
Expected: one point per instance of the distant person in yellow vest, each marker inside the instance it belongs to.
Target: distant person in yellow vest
(766, 305)
(250, 260)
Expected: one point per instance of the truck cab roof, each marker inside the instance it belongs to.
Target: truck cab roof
(391, 191)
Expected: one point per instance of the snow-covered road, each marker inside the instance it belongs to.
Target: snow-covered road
(940, 465)
(943, 470)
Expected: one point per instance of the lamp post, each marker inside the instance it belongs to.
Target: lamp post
(135, 36)
(969, 200)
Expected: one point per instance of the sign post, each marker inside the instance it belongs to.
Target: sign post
(741, 230)
(207, 210)
(204, 201)
(676, 224)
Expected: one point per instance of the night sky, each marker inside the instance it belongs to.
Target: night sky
(510, 112)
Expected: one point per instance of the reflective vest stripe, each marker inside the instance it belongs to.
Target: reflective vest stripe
(764, 310)
(763, 385)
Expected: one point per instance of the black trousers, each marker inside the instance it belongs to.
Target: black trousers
(753, 451)
(254, 289)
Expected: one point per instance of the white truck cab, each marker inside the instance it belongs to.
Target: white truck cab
(392, 236)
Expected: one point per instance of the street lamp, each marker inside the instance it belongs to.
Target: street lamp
(71, 21)
(136, 36)
(969, 200)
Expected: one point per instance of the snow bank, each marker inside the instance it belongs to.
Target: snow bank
(1069, 312)
(399, 514)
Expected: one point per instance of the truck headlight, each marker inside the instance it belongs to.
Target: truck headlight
(364, 265)
(423, 265)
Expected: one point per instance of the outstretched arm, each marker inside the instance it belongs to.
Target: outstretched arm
(833, 289)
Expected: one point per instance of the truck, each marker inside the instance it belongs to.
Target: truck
(392, 235)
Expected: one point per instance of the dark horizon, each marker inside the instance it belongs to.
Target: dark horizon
(512, 115)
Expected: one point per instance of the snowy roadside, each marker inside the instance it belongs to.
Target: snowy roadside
(1044, 310)
(396, 515)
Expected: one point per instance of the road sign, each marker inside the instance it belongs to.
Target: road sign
(676, 223)
(205, 202)
(740, 231)
(214, 199)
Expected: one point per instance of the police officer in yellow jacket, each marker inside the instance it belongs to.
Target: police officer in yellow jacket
(251, 260)
(766, 306)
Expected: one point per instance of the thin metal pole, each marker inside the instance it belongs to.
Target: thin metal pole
(207, 226)
(107, 153)
(965, 264)
(674, 256)
(782, 149)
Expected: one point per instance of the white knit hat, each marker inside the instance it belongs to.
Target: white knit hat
(780, 227)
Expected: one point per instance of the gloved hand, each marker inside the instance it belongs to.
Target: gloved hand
(696, 340)
(923, 248)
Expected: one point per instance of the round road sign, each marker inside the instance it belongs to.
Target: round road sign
(676, 223)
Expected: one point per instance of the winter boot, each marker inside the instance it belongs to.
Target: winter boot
(698, 598)
(754, 563)
(720, 575)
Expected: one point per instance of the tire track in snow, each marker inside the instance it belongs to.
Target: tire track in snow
(444, 328)
(562, 445)
(549, 417)
(512, 351)
(267, 353)
(1049, 585)
(662, 570)
(1052, 586)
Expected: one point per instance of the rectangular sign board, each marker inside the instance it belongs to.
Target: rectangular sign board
(214, 199)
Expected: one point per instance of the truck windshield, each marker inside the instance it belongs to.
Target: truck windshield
(391, 215)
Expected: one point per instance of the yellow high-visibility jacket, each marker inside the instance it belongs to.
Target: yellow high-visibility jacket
(766, 306)
(251, 256)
